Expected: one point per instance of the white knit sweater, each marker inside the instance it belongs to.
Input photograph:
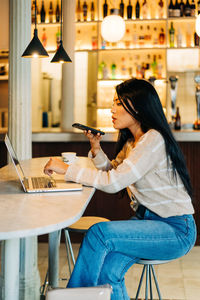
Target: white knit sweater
(143, 171)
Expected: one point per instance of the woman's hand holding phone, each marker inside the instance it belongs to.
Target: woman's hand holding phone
(94, 141)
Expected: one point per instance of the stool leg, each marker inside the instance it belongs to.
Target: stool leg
(140, 284)
(156, 283)
(147, 282)
(150, 282)
(69, 249)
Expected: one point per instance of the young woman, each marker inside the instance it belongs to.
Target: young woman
(150, 165)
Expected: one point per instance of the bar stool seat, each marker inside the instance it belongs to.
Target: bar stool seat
(149, 268)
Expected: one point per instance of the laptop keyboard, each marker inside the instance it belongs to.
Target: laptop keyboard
(42, 182)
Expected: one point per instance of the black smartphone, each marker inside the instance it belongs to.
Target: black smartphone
(83, 127)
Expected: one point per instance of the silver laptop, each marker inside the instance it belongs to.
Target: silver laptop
(42, 184)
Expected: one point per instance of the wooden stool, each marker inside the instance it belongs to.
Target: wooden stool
(148, 266)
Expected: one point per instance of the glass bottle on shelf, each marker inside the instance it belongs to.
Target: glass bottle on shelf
(192, 6)
(78, 11)
(92, 12)
(121, 9)
(160, 9)
(51, 12)
(187, 10)
(177, 10)
(155, 36)
(123, 68)
(198, 7)
(137, 10)
(154, 66)
(161, 37)
(135, 36)
(160, 67)
(105, 9)
(141, 36)
(78, 39)
(127, 38)
(58, 37)
(129, 10)
(144, 10)
(105, 71)
(196, 39)
(171, 35)
(85, 8)
(94, 39)
(177, 124)
(179, 38)
(44, 37)
(113, 71)
(171, 9)
(182, 8)
(188, 36)
(42, 13)
(57, 12)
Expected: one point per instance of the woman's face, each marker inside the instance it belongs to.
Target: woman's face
(120, 117)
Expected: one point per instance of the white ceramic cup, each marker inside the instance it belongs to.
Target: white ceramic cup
(68, 157)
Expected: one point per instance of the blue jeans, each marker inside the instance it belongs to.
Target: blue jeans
(109, 249)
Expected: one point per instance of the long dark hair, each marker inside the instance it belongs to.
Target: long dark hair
(140, 99)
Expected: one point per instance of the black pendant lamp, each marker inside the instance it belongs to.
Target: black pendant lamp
(35, 47)
(61, 55)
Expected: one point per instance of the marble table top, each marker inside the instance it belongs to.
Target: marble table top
(23, 214)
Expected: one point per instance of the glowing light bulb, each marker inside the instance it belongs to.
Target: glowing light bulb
(113, 28)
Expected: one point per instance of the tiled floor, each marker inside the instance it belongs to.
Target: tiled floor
(178, 280)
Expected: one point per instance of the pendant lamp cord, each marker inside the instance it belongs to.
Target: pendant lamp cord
(35, 14)
(61, 22)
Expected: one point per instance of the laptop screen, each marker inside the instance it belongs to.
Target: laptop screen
(14, 159)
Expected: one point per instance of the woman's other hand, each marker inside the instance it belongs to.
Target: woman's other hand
(94, 141)
(55, 165)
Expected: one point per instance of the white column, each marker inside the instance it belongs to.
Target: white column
(19, 122)
(20, 133)
(67, 117)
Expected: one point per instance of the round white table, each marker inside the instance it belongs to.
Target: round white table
(25, 215)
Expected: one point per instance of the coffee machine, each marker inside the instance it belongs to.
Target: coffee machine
(173, 93)
(197, 94)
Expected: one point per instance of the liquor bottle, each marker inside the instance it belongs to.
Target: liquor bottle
(137, 10)
(135, 36)
(141, 36)
(171, 9)
(182, 8)
(44, 38)
(105, 9)
(179, 38)
(177, 10)
(144, 10)
(159, 67)
(127, 38)
(78, 40)
(94, 39)
(171, 35)
(192, 6)
(198, 7)
(113, 71)
(155, 36)
(196, 39)
(188, 36)
(58, 37)
(161, 9)
(129, 10)
(78, 11)
(187, 11)
(154, 66)
(123, 68)
(42, 13)
(177, 124)
(85, 7)
(50, 12)
(57, 12)
(161, 37)
(105, 71)
(121, 9)
(92, 11)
